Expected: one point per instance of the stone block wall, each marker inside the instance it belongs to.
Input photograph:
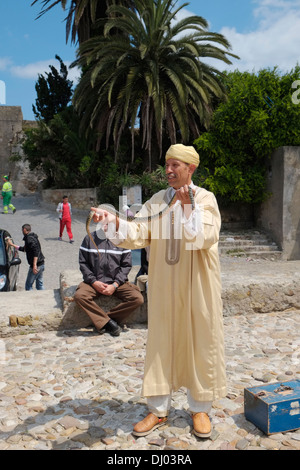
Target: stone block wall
(11, 119)
(236, 216)
(280, 214)
(81, 199)
(74, 317)
(12, 127)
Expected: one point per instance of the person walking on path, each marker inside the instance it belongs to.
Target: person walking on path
(64, 209)
(185, 344)
(6, 195)
(106, 276)
(35, 258)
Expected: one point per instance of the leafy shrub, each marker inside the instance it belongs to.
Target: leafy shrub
(258, 117)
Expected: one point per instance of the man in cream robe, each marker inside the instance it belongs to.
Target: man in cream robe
(185, 325)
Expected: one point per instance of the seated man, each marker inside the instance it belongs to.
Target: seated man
(106, 275)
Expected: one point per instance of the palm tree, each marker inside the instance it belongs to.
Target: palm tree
(82, 15)
(149, 74)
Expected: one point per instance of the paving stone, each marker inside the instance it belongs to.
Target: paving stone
(97, 413)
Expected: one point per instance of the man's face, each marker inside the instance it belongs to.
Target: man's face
(178, 173)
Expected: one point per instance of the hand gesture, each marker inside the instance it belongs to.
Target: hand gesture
(105, 217)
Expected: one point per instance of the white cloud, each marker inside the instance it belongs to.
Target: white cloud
(275, 42)
(31, 71)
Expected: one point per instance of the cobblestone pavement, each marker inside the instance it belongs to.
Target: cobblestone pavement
(79, 390)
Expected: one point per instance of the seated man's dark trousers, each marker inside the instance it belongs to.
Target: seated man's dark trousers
(129, 294)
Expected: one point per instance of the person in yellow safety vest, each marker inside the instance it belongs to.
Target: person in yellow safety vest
(7, 195)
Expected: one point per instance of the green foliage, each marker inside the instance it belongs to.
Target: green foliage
(257, 118)
(154, 181)
(65, 158)
(150, 71)
(81, 16)
(54, 92)
(112, 178)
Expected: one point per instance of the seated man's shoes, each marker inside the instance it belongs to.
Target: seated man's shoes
(202, 426)
(112, 328)
(148, 424)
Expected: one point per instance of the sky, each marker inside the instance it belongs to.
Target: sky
(263, 33)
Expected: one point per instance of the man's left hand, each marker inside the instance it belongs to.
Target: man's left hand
(182, 195)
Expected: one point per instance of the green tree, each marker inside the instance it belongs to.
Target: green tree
(54, 92)
(65, 158)
(258, 117)
(147, 71)
(81, 17)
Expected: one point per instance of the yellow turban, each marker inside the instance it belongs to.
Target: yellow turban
(184, 153)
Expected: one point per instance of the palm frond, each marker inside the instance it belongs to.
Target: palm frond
(147, 64)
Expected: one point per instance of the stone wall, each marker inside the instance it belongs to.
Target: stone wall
(280, 214)
(237, 216)
(12, 127)
(74, 317)
(81, 199)
(11, 119)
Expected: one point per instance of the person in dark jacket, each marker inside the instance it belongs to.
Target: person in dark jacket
(106, 275)
(35, 258)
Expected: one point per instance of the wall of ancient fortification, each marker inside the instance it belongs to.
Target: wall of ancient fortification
(12, 126)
